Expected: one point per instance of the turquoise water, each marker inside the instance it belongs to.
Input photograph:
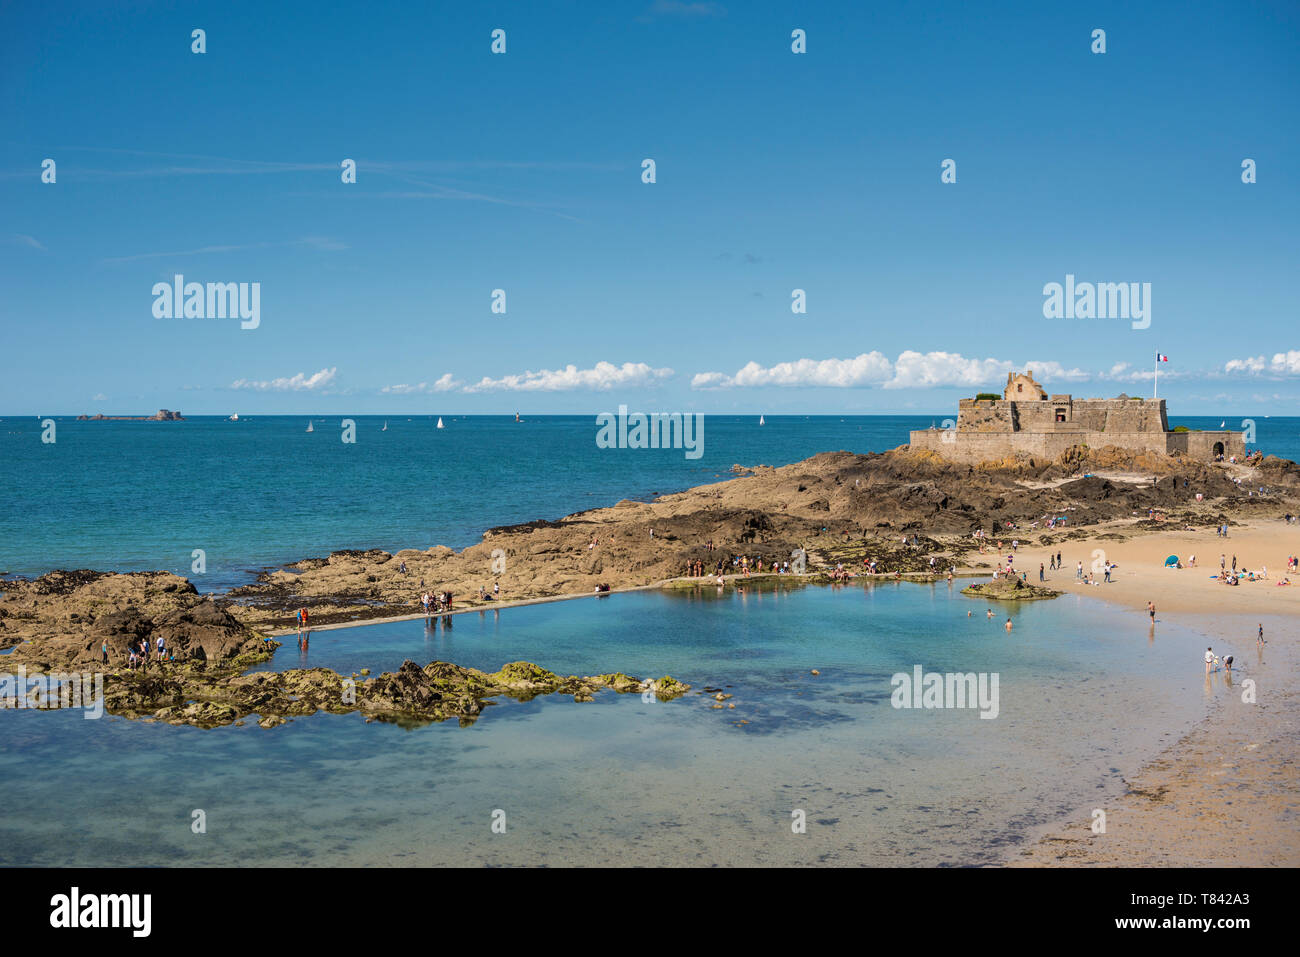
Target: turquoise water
(262, 491)
(1086, 693)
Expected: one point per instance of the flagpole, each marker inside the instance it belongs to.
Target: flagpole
(1155, 382)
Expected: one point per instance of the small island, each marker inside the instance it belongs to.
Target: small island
(162, 415)
(1009, 588)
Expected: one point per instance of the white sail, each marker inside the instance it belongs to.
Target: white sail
(439, 421)
(760, 420)
(385, 428)
(309, 426)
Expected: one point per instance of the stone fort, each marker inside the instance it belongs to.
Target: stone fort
(1027, 421)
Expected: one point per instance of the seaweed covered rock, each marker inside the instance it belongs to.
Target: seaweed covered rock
(1009, 588)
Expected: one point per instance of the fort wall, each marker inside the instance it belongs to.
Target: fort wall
(972, 448)
(990, 429)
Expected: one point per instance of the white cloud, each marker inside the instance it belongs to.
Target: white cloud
(297, 383)
(603, 376)
(1282, 364)
(911, 370)
(444, 383)
(870, 368)
(99, 397)
(1055, 372)
(25, 240)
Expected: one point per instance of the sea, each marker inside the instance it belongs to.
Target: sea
(813, 765)
(806, 769)
(263, 491)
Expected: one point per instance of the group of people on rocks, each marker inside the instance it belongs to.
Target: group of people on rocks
(741, 565)
(138, 653)
(439, 603)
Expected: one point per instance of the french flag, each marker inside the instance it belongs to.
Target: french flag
(1161, 358)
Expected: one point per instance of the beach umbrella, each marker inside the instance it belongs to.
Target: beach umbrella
(1171, 561)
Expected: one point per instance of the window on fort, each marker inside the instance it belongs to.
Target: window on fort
(1020, 387)
(1060, 415)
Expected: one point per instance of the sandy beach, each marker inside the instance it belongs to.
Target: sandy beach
(1226, 794)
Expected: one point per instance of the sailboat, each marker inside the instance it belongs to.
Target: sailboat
(385, 428)
(235, 417)
(439, 421)
(309, 426)
(516, 416)
(760, 420)
(1223, 423)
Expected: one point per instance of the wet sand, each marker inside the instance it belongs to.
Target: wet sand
(1226, 794)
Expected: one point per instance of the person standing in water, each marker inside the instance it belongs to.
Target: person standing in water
(1151, 610)
(1209, 660)
(1008, 626)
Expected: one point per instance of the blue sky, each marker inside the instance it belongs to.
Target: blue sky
(522, 172)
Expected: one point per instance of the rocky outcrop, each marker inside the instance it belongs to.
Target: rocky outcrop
(837, 506)
(162, 415)
(208, 697)
(62, 620)
(1009, 588)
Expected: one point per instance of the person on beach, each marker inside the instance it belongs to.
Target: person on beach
(1078, 571)
(1040, 571)
(162, 654)
(104, 647)
(1227, 664)
(130, 660)
(1151, 610)
(496, 590)
(1209, 660)
(1223, 563)
(1260, 639)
